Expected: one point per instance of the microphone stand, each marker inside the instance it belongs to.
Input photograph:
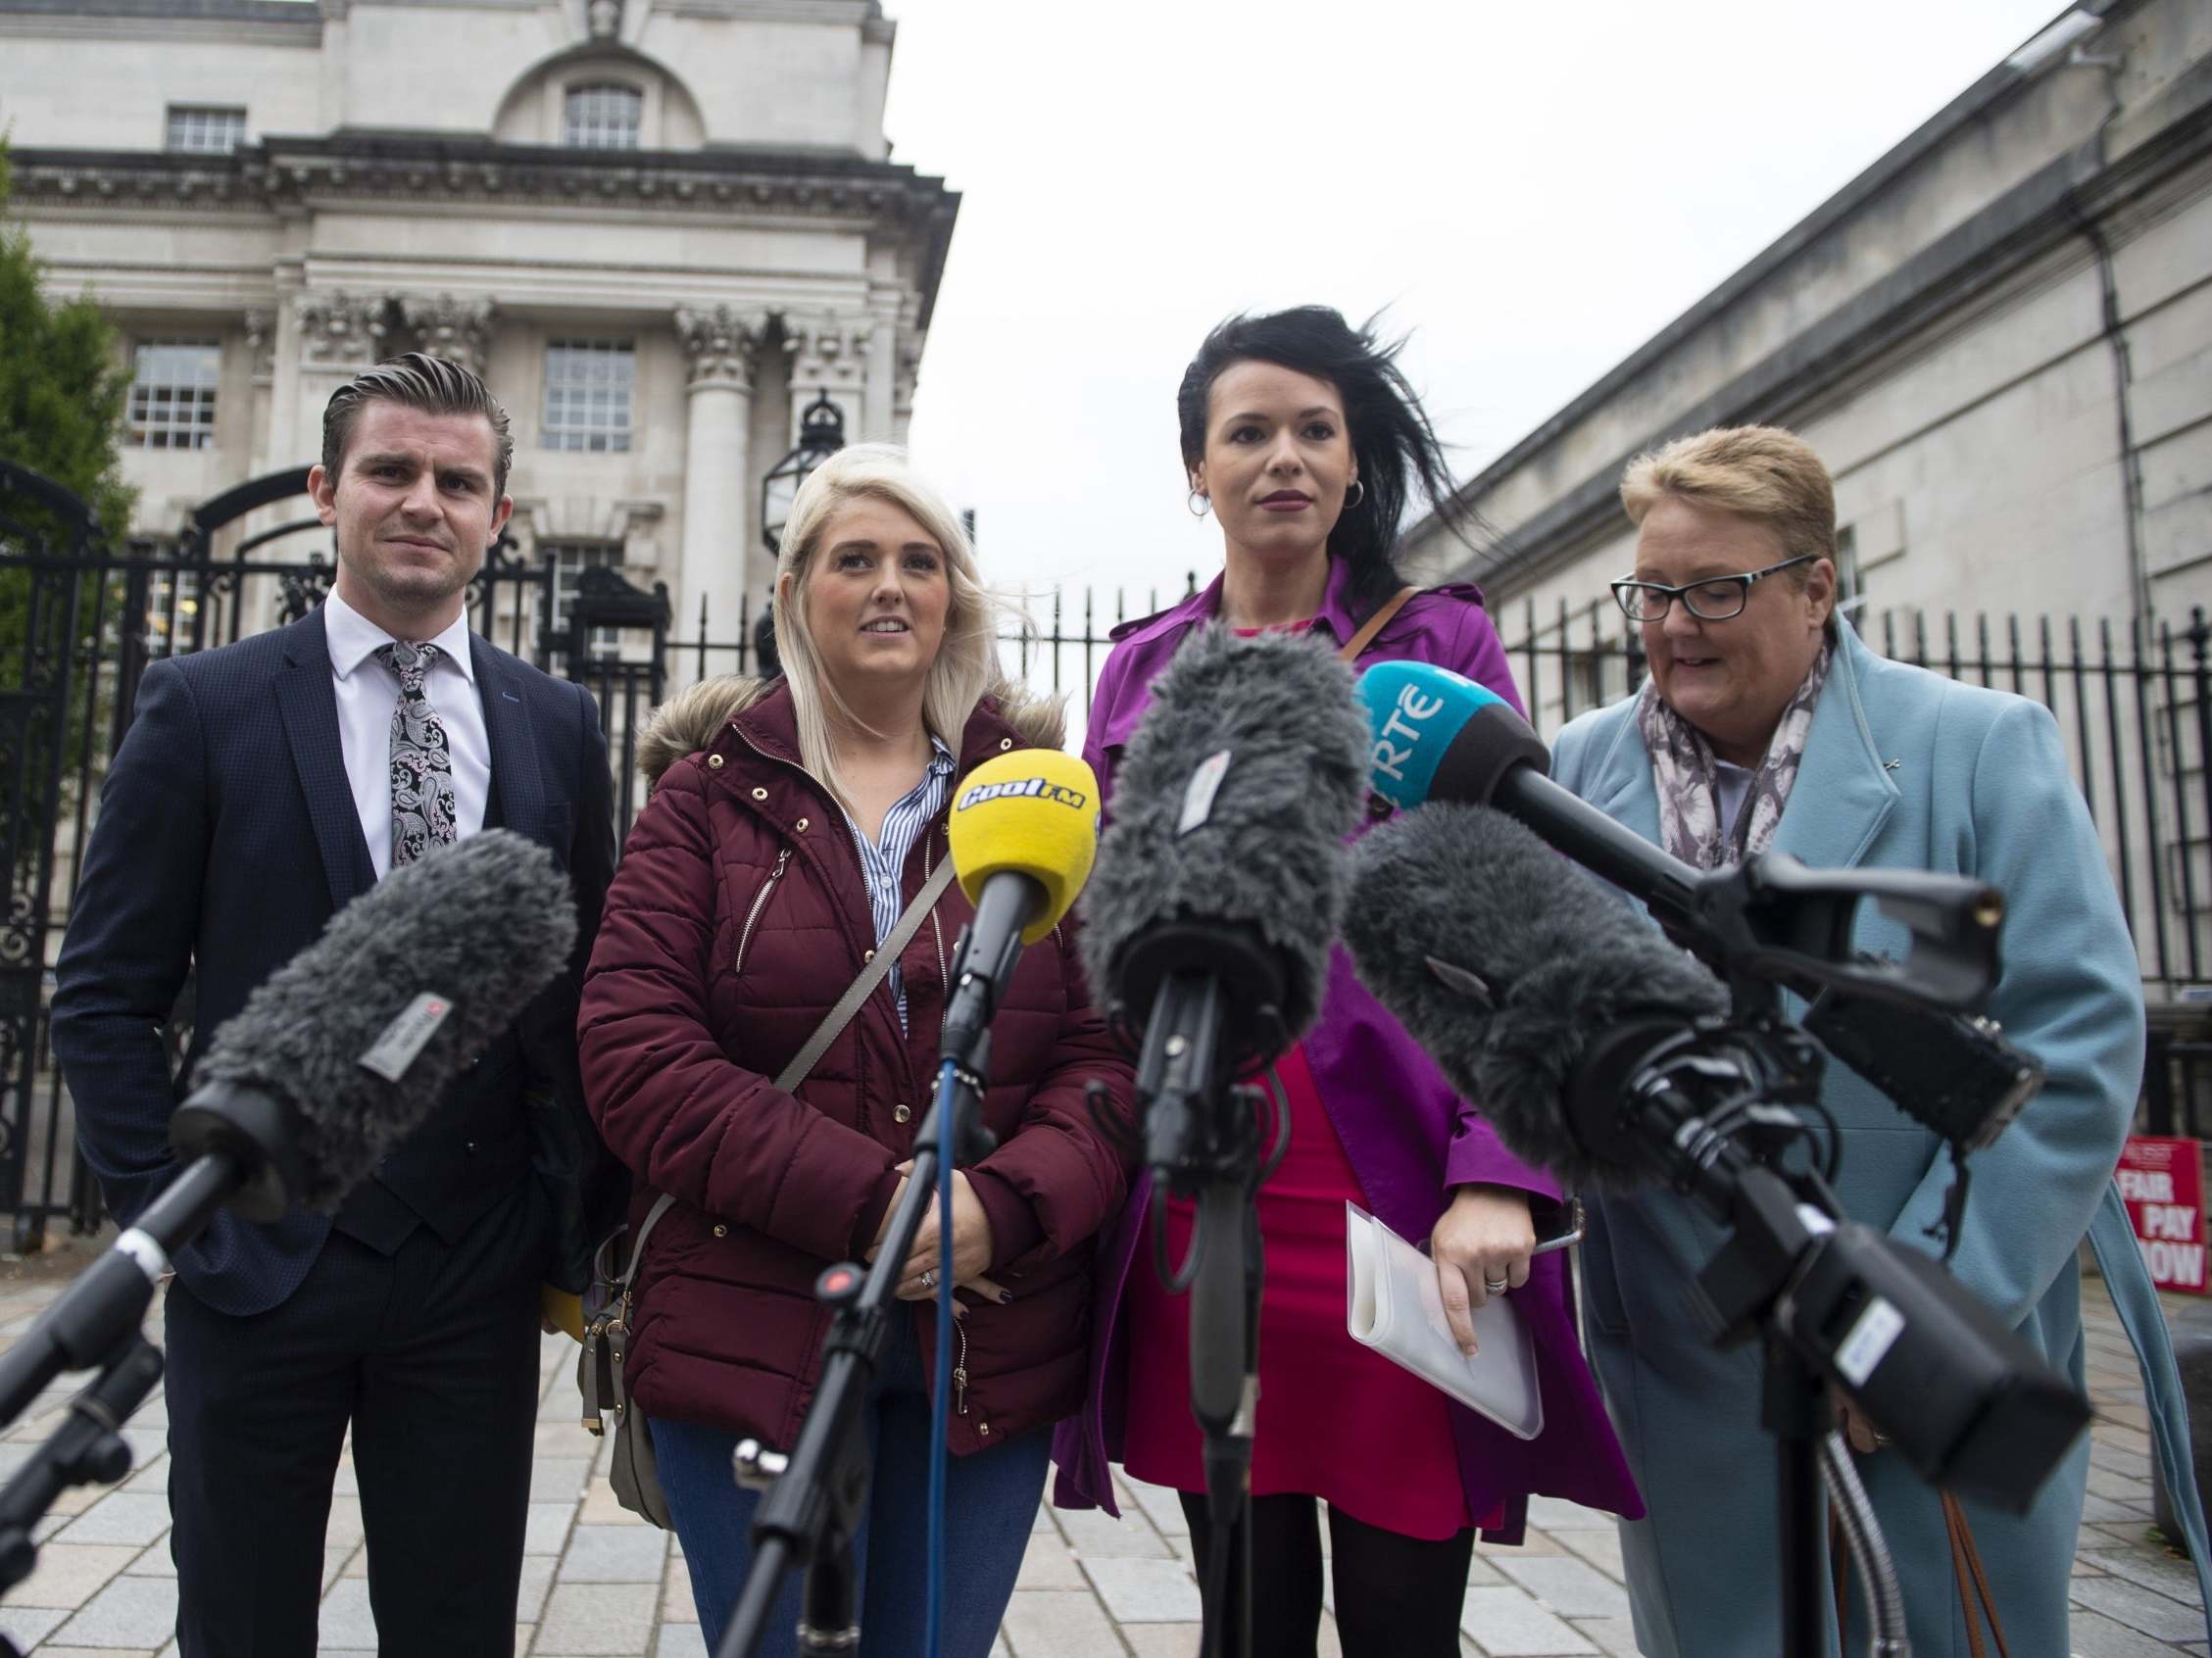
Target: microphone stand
(1202, 1140)
(817, 1496)
(86, 1449)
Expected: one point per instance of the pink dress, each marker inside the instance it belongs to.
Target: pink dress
(1335, 1420)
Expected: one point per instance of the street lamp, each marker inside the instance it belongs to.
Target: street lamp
(821, 434)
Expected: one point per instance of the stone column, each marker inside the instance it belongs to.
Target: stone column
(720, 523)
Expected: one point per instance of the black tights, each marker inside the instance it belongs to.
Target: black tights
(1396, 1597)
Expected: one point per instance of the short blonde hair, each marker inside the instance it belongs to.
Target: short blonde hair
(1761, 472)
(966, 668)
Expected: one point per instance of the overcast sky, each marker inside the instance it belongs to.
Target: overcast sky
(1531, 190)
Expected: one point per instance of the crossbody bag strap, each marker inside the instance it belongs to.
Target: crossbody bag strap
(836, 1019)
(1375, 624)
(1966, 1564)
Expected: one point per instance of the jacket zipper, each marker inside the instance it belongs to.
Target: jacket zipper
(959, 1371)
(760, 903)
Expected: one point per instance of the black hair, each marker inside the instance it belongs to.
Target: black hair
(1391, 440)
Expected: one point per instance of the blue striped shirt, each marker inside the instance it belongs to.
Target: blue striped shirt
(881, 862)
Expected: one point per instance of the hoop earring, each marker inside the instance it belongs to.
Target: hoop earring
(1350, 500)
(1199, 503)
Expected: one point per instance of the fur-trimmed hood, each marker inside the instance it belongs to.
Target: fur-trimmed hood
(687, 722)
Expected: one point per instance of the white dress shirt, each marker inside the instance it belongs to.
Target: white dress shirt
(367, 693)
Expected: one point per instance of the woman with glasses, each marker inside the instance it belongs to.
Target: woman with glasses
(1766, 724)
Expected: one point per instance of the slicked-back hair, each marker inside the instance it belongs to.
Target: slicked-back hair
(1391, 440)
(436, 385)
(1761, 472)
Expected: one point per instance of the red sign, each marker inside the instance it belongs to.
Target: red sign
(2162, 1182)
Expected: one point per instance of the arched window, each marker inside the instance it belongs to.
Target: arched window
(602, 116)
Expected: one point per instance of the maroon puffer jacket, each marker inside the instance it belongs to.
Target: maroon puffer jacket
(737, 918)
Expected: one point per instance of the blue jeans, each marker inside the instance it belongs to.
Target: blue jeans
(991, 1502)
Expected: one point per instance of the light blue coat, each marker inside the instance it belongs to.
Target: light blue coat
(1903, 769)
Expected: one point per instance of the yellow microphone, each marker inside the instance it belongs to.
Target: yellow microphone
(1025, 834)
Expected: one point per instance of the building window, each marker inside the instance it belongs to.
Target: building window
(604, 116)
(173, 395)
(570, 560)
(587, 395)
(198, 129)
(1851, 586)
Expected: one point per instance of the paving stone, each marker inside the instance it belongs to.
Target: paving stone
(1481, 1571)
(2097, 1509)
(1162, 1506)
(2091, 1634)
(121, 1517)
(548, 1527)
(537, 1580)
(2139, 1608)
(1046, 1564)
(2121, 1487)
(1094, 1533)
(602, 1507)
(1507, 1623)
(1059, 1624)
(27, 1626)
(69, 1574)
(138, 1612)
(346, 1620)
(2154, 1568)
(1613, 1635)
(557, 1479)
(597, 1618)
(1571, 1588)
(151, 1476)
(343, 1528)
(1163, 1641)
(1538, 1542)
(676, 1604)
(155, 1562)
(1144, 1592)
(1602, 1549)
(1555, 1514)
(614, 1554)
(680, 1641)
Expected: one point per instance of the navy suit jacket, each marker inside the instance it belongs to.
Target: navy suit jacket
(227, 839)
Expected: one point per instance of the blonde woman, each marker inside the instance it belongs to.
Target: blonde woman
(791, 823)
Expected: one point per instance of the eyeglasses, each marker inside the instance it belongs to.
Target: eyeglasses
(1715, 599)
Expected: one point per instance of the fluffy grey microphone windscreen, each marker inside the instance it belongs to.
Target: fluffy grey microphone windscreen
(1502, 961)
(1230, 809)
(481, 927)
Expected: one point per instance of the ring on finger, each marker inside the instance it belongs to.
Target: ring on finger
(1495, 1286)
(928, 1279)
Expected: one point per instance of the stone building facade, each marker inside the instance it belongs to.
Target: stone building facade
(662, 228)
(1998, 337)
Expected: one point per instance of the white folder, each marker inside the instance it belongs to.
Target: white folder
(1393, 1305)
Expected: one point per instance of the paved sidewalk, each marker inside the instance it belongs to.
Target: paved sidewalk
(597, 1580)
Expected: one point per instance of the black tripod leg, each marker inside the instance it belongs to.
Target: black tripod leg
(1795, 1414)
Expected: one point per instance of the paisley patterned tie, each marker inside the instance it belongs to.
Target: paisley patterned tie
(423, 814)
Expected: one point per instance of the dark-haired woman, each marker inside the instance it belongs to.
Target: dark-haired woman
(1304, 441)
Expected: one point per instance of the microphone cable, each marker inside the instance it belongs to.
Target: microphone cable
(942, 1392)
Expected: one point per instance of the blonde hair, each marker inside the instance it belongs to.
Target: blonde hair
(966, 668)
(1761, 472)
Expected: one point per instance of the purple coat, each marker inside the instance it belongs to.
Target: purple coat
(1408, 1137)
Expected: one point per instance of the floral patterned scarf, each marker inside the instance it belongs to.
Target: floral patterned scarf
(1687, 779)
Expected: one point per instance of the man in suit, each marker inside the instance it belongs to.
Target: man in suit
(263, 787)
